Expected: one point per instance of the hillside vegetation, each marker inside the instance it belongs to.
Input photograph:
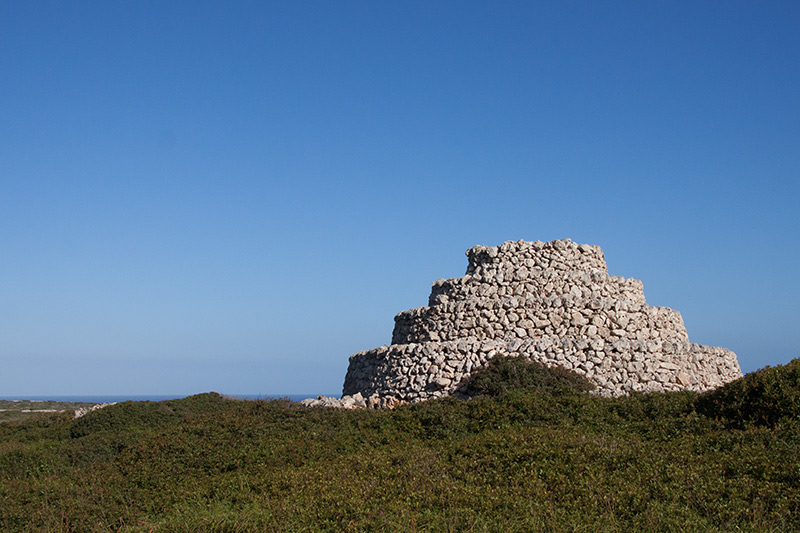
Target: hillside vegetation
(16, 410)
(532, 452)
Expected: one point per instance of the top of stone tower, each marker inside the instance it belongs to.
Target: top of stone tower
(560, 254)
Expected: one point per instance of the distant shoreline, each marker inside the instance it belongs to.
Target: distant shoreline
(110, 398)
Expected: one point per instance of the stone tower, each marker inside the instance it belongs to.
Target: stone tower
(552, 302)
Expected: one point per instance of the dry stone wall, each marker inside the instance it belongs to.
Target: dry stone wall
(552, 302)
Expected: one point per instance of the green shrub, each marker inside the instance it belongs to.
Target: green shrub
(136, 416)
(123, 417)
(502, 374)
(519, 461)
(762, 398)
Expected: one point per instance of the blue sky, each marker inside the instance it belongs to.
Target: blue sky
(236, 196)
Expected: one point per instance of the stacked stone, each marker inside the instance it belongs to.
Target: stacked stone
(552, 302)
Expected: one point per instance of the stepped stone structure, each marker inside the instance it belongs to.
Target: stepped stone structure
(552, 302)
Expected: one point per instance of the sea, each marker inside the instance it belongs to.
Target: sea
(152, 397)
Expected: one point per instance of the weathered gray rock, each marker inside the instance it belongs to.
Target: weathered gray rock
(552, 302)
(82, 411)
(355, 401)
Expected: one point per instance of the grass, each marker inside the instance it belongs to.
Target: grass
(15, 410)
(518, 458)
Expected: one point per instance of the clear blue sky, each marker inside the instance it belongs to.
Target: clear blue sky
(236, 196)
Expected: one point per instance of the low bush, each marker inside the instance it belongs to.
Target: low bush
(762, 398)
(522, 459)
(502, 374)
(123, 417)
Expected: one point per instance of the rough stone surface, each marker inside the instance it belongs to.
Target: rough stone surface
(82, 411)
(553, 302)
(354, 401)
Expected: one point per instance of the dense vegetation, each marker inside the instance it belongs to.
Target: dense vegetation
(539, 455)
(504, 374)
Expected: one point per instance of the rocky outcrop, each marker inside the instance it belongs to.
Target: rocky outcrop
(355, 401)
(552, 302)
(82, 411)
